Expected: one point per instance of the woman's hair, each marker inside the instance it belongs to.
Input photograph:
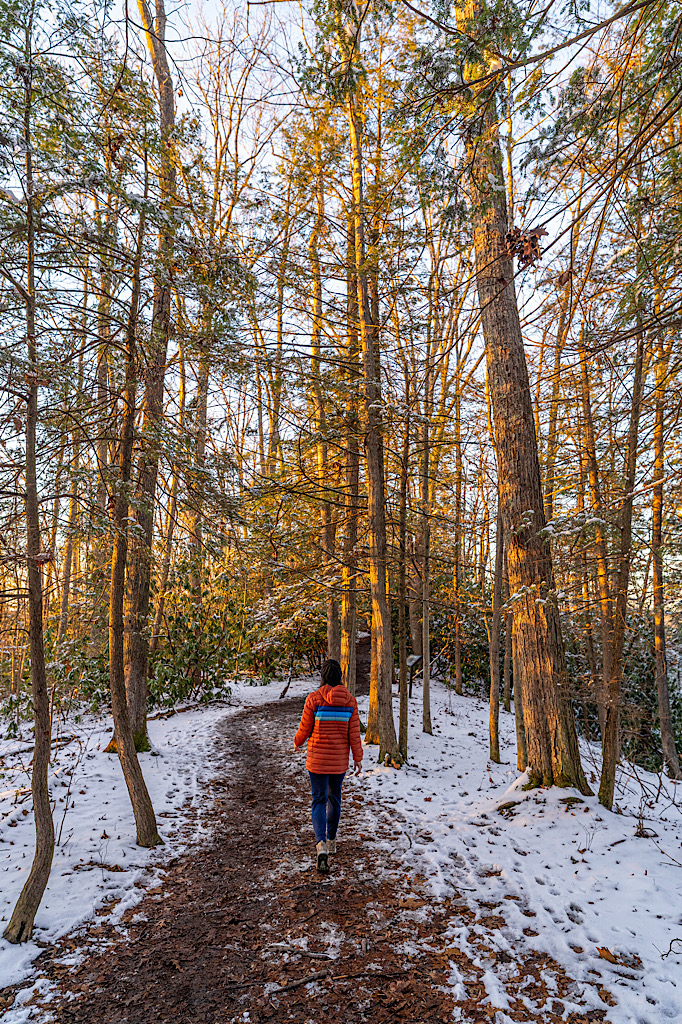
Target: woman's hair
(331, 672)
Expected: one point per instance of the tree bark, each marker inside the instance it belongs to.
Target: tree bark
(605, 596)
(669, 748)
(495, 642)
(145, 821)
(20, 926)
(507, 639)
(72, 524)
(327, 529)
(458, 541)
(611, 732)
(521, 748)
(550, 480)
(140, 567)
(551, 737)
(402, 595)
(426, 552)
(388, 743)
(414, 593)
(352, 468)
(172, 516)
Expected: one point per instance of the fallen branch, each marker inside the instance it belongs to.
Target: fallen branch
(190, 707)
(28, 750)
(364, 974)
(297, 949)
(317, 976)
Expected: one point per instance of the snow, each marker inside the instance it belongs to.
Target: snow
(562, 878)
(575, 874)
(94, 824)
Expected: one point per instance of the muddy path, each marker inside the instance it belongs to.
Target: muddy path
(244, 929)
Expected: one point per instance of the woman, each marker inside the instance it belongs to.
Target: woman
(331, 725)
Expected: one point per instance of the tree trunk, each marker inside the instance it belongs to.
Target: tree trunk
(507, 661)
(165, 568)
(388, 743)
(372, 730)
(402, 531)
(426, 553)
(274, 441)
(605, 597)
(611, 733)
(458, 540)
(327, 530)
(147, 834)
(196, 489)
(495, 642)
(352, 460)
(507, 638)
(521, 749)
(20, 926)
(139, 573)
(550, 481)
(100, 552)
(551, 738)
(596, 682)
(414, 593)
(72, 524)
(669, 749)
(172, 516)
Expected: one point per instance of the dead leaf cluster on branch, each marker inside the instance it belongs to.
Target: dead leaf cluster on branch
(525, 245)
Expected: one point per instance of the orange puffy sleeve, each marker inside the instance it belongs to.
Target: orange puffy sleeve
(307, 722)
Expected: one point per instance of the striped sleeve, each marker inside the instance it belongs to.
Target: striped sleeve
(354, 733)
(307, 722)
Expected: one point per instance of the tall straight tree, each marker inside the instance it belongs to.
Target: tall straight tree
(327, 526)
(352, 467)
(668, 745)
(381, 617)
(20, 925)
(551, 738)
(145, 820)
(140, 556)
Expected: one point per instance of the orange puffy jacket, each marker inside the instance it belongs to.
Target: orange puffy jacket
(331, 724)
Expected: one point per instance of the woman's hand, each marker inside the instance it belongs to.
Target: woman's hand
(357, 767)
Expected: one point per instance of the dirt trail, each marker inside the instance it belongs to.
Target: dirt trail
(240, 923)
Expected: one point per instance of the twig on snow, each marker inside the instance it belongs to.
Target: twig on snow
(664, 955)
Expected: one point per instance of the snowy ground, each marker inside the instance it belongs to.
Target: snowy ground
(555, 877)
(96, 860)
(565, 878)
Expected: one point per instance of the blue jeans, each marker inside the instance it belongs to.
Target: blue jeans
(326, 804)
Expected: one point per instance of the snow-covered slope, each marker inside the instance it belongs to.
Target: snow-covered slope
(566, 877)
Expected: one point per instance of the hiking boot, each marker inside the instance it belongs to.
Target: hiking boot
(322, 862)
(331, 846)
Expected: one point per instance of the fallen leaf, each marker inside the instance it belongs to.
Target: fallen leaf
(606, 997)
(606, 954)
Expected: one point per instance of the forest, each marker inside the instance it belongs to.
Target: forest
(338, 325)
